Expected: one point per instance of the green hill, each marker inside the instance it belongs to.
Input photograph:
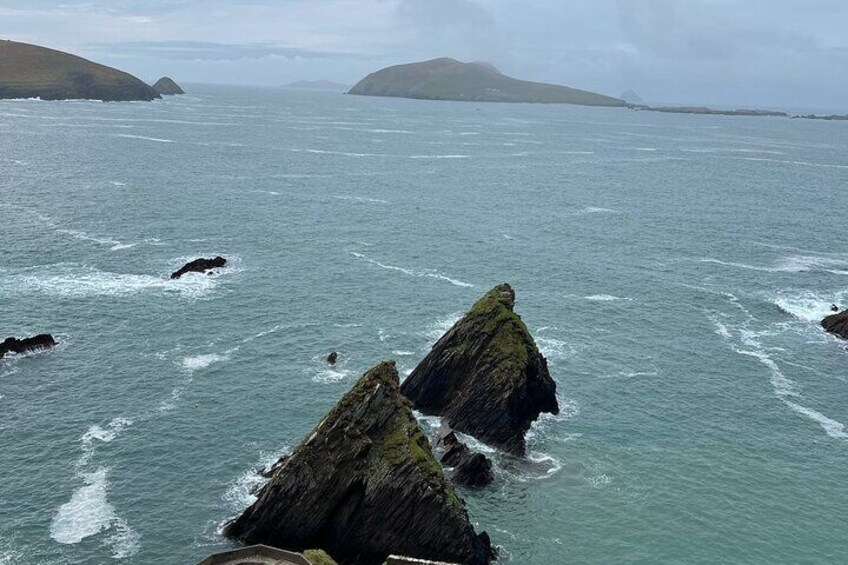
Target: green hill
(30, 71)
(449, 79)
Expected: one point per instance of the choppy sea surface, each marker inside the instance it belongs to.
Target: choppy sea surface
(672, 268)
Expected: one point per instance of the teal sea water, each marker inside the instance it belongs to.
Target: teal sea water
(673, 269)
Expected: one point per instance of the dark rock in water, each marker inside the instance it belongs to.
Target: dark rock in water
(332, 358)
(485, 376)
(837, 324)
(474, 471)
(834, 308)
(470, 469)
(365, 484)
(199, 266)
(167, 87)
(19, 346)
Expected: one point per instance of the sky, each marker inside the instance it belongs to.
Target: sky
(763, 53)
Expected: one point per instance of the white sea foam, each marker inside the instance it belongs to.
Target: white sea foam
(595, 210)
(402, 353)
(87, 513)
(555, 349)
(145, 138)
(605, 298)
(96, 434)
(439, 157)
(328, 375)
(438, 328)
(197, 362)
(73, 281)
(117, 183)
(796, 163)
(360, 199)
(121, 246)
(831, 427)
(809, 306)
(124, 541)
(413, 273)
(791, 264)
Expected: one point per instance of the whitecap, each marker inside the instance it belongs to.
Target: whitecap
(121, 246)
(595, 210)
(808, 307)
(790, 264)
(402, 353)
(197, 362)
(430, 273)
(605, 298)
(145, 138)
(439, 156)
(360, 199)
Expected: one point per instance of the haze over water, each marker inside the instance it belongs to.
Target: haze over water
(673, 269)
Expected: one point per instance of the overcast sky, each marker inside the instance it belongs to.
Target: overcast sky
(790, 53)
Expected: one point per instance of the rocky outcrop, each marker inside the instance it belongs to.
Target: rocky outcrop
(485, 376)
(837, 324)
(167, 87)
(199, 266)
(31, 71)
(362, 485)
(26, 345)
(470, 468)
(332, 358)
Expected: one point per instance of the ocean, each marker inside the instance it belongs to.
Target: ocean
(672, 268)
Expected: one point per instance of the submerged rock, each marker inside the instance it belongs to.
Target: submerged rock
(199, 266)
(27, 344)
(363, 485)
(837, 324)
(485, 376)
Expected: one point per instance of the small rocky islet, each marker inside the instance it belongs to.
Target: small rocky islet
(837, 323)
(200, 265)
(486, 377)
(366, 482)
(26, 345)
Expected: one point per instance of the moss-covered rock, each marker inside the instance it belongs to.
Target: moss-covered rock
(485, 376)
(318, 557)
(364, 484)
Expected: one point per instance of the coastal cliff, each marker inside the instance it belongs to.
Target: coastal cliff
(449, 79)
(485, 376)
(365, 484)
(30, 71)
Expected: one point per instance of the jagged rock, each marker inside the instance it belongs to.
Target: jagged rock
(332, 358)
(199, 266)
(837, 324)
(485, 376)
(365, 484)
(470, 468)
(269, 471)
(474, 471)
(27, 344)
(167, 87)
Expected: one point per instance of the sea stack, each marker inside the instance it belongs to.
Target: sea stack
(167, 87)
(199, 266)
(469, 468)
(364, 484)
(485, 376)
(26, 345)
(837, 324)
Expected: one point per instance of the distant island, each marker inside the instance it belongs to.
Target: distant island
(831, 117)
(449, 79)
(318, 85)
(30, 71)
(709, 111)
(167, 87)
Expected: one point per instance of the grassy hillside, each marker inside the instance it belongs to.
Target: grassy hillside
(30, 71)
(448, 79)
